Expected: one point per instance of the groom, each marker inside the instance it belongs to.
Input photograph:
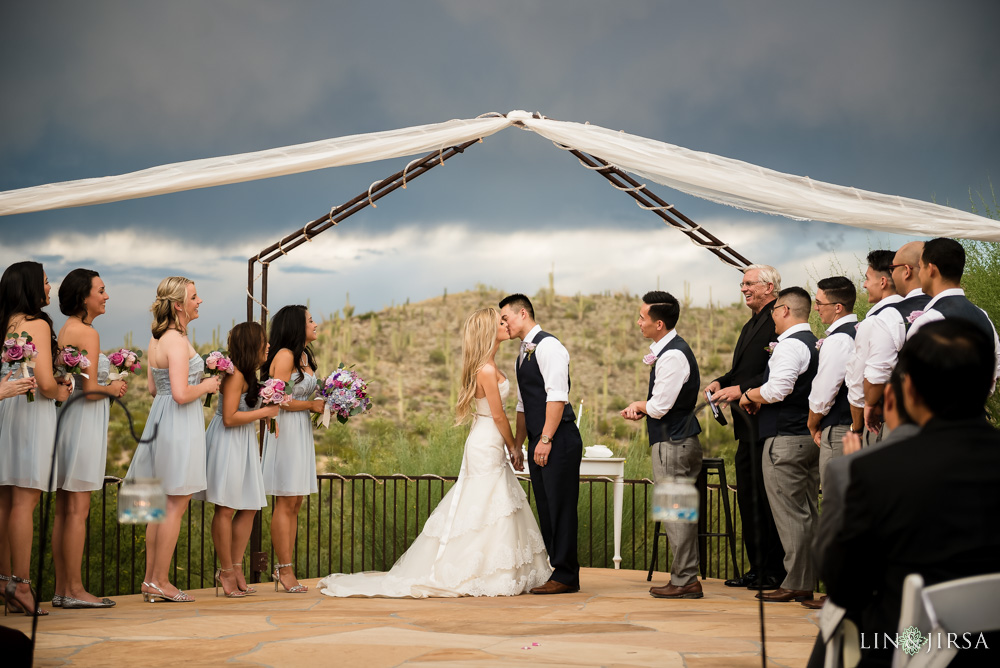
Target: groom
(554, 444)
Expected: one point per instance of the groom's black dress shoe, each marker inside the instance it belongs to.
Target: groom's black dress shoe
(553, 587)
(744, 580)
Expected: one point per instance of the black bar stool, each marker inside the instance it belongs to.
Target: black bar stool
(709, 466)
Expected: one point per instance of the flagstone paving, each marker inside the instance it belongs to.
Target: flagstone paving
(612, 622)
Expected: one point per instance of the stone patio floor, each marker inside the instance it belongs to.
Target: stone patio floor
(612, 622)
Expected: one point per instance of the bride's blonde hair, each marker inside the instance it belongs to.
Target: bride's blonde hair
(478, 337)
(171, 290)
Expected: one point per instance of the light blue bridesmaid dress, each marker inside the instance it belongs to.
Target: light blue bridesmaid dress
(290, 457)
(235, 479)
(177, 453)
(82, 448)
(27, 436)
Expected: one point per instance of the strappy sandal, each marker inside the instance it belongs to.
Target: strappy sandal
(248, 589)
(239, 593)
(11, 602)
(150, 597)
(297, 589)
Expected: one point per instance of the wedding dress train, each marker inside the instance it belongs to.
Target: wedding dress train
(481, 540)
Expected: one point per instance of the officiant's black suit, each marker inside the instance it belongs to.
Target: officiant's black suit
(750, 358)
(557, 485)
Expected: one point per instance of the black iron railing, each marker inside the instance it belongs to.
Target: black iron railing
(365, 522)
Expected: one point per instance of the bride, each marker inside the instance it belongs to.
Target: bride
(482, 539)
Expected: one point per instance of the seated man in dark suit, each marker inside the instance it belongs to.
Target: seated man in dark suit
(928, 504)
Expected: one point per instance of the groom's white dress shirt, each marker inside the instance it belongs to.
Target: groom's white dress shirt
(553, 362)
(672, 371)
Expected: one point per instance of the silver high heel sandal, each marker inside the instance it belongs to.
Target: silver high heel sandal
(10, 601)
(249, 589)
(149, 597)
(239, 593)
(297, 589)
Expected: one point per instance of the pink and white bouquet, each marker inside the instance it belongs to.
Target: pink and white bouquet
(71, 361)
(19, 350)
(124, 361)
(272, 391)
(344, 394)
(217, 364)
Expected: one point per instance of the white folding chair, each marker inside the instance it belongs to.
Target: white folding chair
(965, 605)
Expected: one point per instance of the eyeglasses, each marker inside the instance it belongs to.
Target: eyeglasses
(894, 267)
(747, 284)
(786, 306)
(819, 303)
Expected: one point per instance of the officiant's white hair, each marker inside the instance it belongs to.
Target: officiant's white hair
(478, 338)
(766, 273)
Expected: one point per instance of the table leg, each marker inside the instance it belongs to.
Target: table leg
(619, 495)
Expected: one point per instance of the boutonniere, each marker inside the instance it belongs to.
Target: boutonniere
(913, 316)
(819, 343)
(856, 326)
(529, 350)
(649, 360)
(770, 347)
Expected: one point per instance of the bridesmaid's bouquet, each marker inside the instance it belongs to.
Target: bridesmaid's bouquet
(18, 349)
(272, 391)
(217, 364)
(69, 362)
(123, 362)
(344, 394)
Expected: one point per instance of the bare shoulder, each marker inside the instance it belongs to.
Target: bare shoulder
(488, 372)
(36, 328)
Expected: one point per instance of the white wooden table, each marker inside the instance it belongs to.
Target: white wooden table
(611, 467)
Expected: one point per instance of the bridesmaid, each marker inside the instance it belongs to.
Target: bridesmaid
(27, 435)
(289, 461)
(177, 454)
(235, 481)
(82, 446)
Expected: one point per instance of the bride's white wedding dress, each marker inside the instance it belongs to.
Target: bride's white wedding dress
(481, 540)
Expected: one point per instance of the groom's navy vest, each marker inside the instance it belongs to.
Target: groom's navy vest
(532, 386)
(790, 417)
(679, 422)
(840, 412)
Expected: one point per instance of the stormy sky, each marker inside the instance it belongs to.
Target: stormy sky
(898, 97)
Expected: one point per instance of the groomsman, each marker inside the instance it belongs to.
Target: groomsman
(555, 448)
(942, 264)
(790, 458)
(881, 293)
(673, 430)
(761, 284)
(888, 333)
(829, 410)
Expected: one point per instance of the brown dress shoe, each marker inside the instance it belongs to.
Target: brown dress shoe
(670, 590)
(814, 604)
(553, 587)
(782, 595)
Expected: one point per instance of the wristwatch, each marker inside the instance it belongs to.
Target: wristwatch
(546, 439)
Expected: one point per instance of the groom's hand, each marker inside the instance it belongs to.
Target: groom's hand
(542, 451)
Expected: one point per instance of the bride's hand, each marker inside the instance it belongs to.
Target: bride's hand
(516, 458)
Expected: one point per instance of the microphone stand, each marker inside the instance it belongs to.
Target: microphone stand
(758, 539)
(46, 498)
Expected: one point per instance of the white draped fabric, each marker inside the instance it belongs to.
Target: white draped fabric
(715, 178)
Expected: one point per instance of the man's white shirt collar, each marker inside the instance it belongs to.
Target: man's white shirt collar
(531, 335)
(850, 317)
(914, 292)
(882, 303)
(657, 346)
(801, 327)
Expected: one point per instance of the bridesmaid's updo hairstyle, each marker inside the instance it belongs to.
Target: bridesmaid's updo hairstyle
(22, 290)
(288, 330)
(478, 338)
(171, 291)
(246, 343)
(74, 290)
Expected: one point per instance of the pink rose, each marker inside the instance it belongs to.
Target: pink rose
(9, 342)
(21, 340)
(14, 353)
(70, 356)
(84, 363)
(649, 359)
(913, 316)
(29, 349)
(266, 393)
(116, 358)
(135, 368)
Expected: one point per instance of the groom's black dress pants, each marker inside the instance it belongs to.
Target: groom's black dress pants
(556, 487)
